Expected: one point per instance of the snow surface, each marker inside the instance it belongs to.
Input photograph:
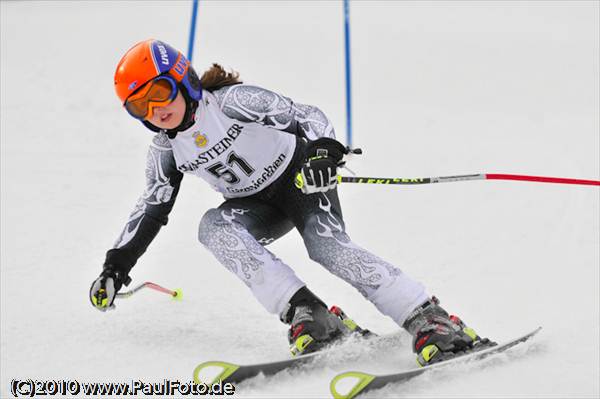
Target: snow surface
(440, 88)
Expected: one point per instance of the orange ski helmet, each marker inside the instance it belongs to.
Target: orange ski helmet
(150, 59)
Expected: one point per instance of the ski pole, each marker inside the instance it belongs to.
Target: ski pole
(448, 179)
(175, 294)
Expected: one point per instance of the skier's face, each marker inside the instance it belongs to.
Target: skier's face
(170, 116)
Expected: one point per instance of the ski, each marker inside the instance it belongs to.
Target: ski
(236, 373)
(364, 382)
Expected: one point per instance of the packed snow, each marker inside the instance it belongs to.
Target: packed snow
(439, 88)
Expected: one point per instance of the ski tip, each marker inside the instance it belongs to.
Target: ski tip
(226, 370)
(351, 382)
(535, 331)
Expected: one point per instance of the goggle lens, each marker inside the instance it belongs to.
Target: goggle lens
(156, 93)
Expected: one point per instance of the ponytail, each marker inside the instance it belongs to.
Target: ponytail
(217, 77)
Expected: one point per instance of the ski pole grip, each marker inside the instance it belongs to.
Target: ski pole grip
(356, 151)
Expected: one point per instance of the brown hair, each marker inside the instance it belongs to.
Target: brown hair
(217, 77)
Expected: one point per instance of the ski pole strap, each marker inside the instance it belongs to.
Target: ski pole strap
(449, 179)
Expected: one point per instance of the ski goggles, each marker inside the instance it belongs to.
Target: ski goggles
(158, 92)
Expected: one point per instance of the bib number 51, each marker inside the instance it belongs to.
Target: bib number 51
(220, 170)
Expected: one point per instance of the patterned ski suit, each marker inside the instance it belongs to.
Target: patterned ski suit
(247, 143)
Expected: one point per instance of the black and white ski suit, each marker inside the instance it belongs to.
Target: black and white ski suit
(248, 143)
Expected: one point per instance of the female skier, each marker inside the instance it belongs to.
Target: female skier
(275, 162)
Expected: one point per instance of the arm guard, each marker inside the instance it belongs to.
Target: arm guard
(152, 209)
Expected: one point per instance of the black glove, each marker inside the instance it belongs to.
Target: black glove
(104, 289)
(319, 172)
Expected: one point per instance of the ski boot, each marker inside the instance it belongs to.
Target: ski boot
(438, 336)
(312, 326)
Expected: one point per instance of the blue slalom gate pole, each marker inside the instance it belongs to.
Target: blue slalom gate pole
(348, 73)
(192, 30)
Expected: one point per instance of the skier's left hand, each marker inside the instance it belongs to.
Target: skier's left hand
(319, 172)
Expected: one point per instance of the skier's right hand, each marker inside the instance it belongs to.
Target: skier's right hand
(104, 289)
